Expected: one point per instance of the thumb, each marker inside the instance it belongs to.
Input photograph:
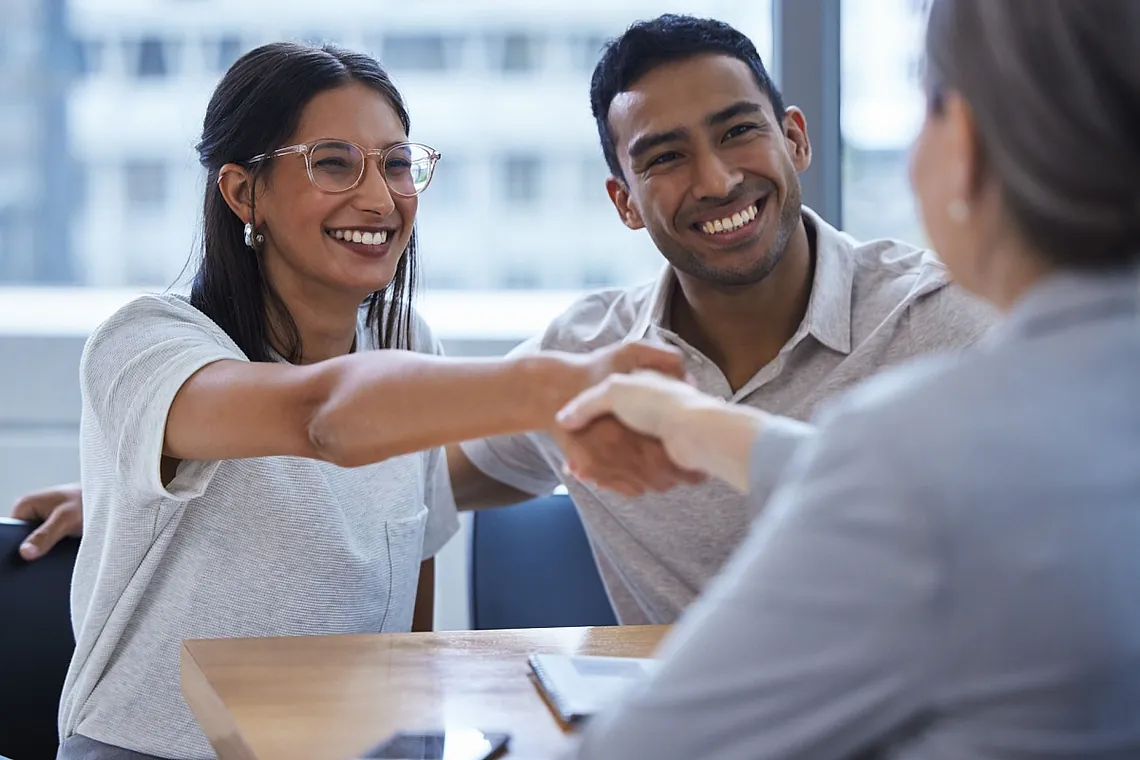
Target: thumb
(586, 407)
(43, 538)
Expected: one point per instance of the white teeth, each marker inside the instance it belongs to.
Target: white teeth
(364, 238)
(730, 223)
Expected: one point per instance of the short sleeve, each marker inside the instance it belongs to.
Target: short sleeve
(515, 460)
(443, 518)
(133, 366)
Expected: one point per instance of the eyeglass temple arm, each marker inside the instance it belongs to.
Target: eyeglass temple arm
(280, 152)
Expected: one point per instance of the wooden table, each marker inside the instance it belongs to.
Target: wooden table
(335, 696)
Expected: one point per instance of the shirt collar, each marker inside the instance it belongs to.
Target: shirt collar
(828, 316)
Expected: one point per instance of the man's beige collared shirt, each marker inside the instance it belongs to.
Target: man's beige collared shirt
(872, 305)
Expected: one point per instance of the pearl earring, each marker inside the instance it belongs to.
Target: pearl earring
(251, 240)
(958, 211)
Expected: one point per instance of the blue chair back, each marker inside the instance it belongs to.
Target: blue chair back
(532, 567)
(36, 642)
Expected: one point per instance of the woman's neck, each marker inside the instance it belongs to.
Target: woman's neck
(1013, 273)
(325, 320)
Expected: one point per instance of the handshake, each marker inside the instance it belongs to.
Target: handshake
(629, 424)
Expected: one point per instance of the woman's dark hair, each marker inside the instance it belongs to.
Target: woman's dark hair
(1054, 86)
(254, 110)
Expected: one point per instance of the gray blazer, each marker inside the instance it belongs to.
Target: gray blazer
(949, 567)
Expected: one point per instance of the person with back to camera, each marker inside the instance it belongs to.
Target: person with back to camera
(948, 567)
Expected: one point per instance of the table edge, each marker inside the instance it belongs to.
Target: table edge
(213, 718)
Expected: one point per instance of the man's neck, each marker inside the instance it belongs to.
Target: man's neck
(743, 328)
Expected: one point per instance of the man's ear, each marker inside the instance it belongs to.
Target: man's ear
(236, 185)
(619, 195)
(796, 134)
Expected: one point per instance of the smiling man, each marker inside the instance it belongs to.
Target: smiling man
(772, 307)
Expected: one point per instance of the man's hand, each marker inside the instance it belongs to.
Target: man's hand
(610, 455)
(605, 452)
(60, 509)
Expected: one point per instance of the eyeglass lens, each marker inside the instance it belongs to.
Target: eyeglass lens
(337, 166)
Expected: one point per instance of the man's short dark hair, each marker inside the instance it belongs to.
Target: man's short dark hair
(665, 39)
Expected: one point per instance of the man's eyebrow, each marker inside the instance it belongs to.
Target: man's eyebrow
(739, 108)
(646, 143)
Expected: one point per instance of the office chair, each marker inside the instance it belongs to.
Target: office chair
(36, 642)
(532, 567)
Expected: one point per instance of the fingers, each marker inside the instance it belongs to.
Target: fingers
(36, 506)
(667, 474)
(642, 355)
(54, 529)
(607, 454)
(61, 511)
(589, 405)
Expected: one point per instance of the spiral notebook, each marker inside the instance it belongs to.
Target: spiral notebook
(578, 686)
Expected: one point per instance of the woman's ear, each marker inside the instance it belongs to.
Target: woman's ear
(963, 147)
(236, 185)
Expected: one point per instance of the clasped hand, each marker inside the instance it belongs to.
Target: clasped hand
(624, 432)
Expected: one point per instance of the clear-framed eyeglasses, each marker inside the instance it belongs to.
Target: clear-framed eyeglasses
(337, 166)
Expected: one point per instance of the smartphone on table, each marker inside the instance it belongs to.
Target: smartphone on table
(452, 744)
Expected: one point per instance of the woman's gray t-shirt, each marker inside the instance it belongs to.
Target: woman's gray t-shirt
(270, 546)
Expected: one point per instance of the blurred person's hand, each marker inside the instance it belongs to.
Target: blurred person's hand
(59, 510)
(609, 454)
(699, 433)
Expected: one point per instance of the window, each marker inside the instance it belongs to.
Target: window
(222, 52)
(594, 173)
(522, 180)
(448, 182)
(88, 57)
(500, 87)
(520, 277)
(587, 49)
(152, 58)
(881, 112)
(416, 52)
(145, 184)
(515, 52)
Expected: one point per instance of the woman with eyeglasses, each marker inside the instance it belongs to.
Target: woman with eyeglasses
(950, 565)
(262, 458)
